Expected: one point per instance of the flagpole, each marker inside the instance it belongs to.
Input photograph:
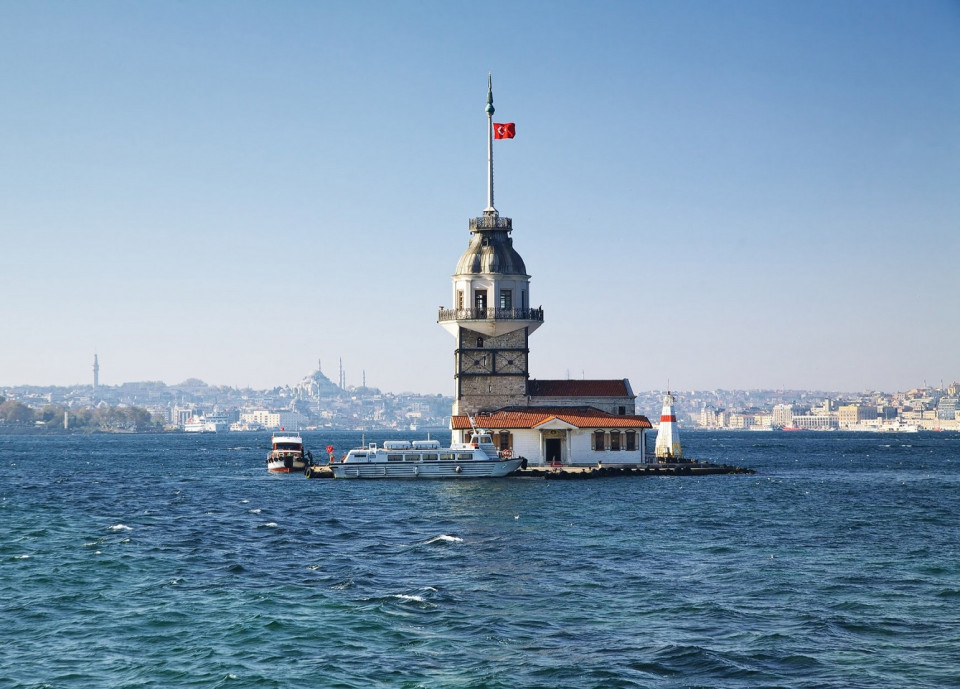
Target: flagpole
(490, 110)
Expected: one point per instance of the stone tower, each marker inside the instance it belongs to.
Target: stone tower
(491, 317)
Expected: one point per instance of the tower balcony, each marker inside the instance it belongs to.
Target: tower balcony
(491, 222)
(490, 321)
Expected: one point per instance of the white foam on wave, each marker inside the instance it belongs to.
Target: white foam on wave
(404, 596)
(21, 557)
(120, 527)
(271, 524)
(244, 502)
(444, 538)
(256, 510)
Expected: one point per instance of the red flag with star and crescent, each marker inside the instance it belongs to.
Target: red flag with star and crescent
(507, 130)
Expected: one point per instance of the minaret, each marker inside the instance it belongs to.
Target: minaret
(491, 315)
(96, 374)
(668, 436)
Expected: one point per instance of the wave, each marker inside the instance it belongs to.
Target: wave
(443, 538)
(120, 527)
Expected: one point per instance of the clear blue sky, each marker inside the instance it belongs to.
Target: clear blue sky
(725, 194)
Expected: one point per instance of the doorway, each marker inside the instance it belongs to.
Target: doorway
(553, 447)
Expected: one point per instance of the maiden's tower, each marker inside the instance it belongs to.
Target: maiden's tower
(547, 421)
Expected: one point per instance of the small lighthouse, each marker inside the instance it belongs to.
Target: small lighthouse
(668, 436)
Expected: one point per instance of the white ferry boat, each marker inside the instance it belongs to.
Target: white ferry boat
(897, 428)
(426, 459)
(286, 454)
(216, 423)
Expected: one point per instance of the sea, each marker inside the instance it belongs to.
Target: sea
(176, 560)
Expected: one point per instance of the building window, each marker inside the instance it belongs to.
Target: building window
(631, 441)
(506, 299)
(480, 299)
(479, 342)
(615, 440)
(460, 299)
(505, 440)
(598, 441)
(622, 411)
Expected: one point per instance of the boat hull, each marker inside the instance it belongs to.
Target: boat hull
(286, 465)
(427, 470)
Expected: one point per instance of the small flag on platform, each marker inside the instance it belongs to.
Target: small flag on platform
(507, 130)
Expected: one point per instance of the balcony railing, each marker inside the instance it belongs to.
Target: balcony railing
(489, 314)
(491, 222)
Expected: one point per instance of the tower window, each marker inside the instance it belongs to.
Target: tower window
(506, 299)
(480, 299)
(479, 342)
(460, 299)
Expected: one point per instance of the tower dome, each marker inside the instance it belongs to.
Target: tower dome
(491, 251)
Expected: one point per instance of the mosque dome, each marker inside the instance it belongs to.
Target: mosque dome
(491, 252)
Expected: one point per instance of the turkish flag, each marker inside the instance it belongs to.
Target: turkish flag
(504, 131)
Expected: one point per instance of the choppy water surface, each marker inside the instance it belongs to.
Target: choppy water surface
(176, 560)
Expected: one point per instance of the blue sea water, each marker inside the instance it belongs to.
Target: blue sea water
(178, 561)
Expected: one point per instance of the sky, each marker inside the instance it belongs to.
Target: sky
(707, 194)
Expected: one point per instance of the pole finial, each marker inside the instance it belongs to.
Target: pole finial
(490, 108)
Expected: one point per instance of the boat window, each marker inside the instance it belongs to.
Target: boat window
(429, 456)
(359, 454)
(447, 456)
(394, 458)
(464, 455)
(411, 458)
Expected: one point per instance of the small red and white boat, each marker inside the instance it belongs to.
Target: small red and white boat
(286, 454)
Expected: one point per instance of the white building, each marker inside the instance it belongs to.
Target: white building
(273, 420)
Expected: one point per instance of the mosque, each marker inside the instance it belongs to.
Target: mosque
(550, 422)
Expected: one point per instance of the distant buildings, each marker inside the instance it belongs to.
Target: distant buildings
(920, 408)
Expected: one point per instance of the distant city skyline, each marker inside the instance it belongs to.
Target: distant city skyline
(725, 195)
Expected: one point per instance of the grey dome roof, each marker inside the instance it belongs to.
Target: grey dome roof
(491, 252)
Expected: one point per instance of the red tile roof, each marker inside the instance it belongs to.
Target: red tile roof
(578, 388)
(531, 417)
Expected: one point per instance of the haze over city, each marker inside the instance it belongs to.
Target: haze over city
(719, 194)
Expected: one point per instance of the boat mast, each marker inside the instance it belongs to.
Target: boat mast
(490, 209)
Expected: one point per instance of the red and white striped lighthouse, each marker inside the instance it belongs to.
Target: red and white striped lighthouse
(668, 435)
